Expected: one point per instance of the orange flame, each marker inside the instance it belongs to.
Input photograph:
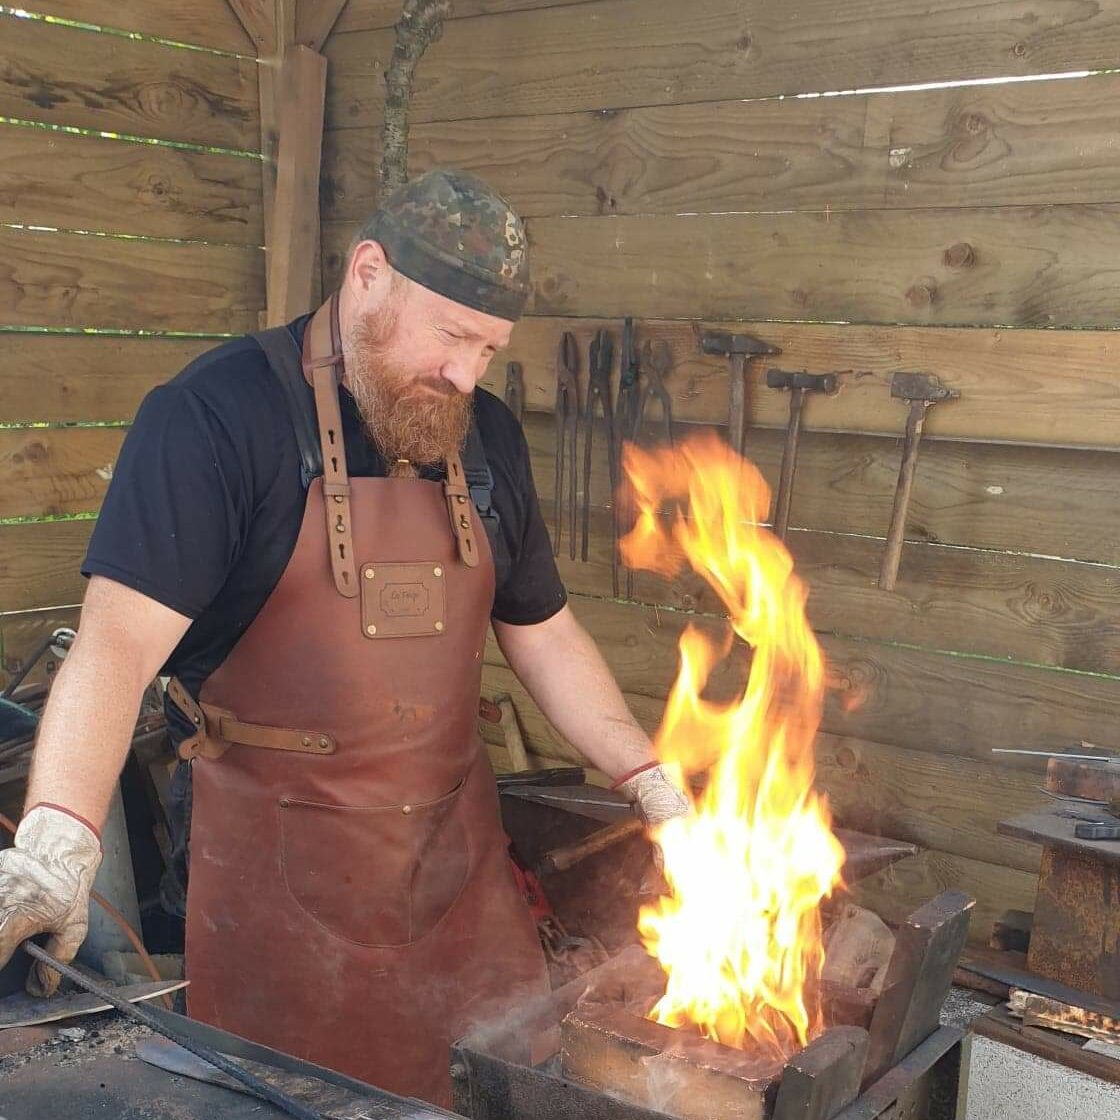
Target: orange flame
(739, 934)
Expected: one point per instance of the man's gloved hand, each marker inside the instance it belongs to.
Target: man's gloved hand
(656, 796)
(45, 882)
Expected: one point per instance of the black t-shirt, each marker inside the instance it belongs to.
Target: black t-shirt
(206, 502)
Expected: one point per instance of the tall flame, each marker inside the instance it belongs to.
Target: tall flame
(738, 935)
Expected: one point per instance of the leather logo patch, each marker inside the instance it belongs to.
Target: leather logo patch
(403, 600)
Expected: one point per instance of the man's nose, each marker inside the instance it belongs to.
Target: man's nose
(463, 373)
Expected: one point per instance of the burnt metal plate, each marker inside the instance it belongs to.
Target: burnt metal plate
(403, 600)
(1044, 826)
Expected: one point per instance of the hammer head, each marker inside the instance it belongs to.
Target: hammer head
(920, 387)
(728, 344)
(811, 382)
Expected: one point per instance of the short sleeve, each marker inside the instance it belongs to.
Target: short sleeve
(534, 591)
(177, 510)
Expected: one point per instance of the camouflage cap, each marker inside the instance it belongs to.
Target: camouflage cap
(454, 234)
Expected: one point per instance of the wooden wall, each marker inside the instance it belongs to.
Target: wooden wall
(130, 239)
(970, 231)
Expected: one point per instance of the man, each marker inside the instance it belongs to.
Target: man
(313, 544)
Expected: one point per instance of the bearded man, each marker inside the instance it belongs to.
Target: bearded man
(309, 530)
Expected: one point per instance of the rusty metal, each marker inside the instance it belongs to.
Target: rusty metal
(919, 975)
(797, 384)
(739, 349)
(600, 361)
(1075, 935)
(656, 361)
(567, 412)
(824, 1077)
(921, 391)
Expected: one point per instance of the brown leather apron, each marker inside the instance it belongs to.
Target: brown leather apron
(351, 900)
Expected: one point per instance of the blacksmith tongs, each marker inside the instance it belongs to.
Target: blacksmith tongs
(599, 389)
(567, 417)
(626, 428)
(657, 360)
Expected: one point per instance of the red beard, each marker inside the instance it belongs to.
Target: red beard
(406, 418)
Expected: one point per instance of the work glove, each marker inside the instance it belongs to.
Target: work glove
(656, 796)
(45, 882)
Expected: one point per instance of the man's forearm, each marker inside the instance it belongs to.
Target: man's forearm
(564, 672)
(85, 735)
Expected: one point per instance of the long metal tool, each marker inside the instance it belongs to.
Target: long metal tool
(921, 391)
(798, 384)
(739, 349)
(567, 415)
(141, 1014)
(657, 360)
(627, 418)
(599, 389)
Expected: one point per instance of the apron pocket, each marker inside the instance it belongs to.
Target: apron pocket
(379, 875)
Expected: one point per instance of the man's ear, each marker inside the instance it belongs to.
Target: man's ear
(368, 267)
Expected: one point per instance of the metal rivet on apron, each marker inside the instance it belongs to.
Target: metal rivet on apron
(324, 743)
(284, 802)
(406, 809)
(437, 571)
(369, 573)
(371, 629)
(439, 626)
(306, 740)
(198, 721)
(338, 499)
(463, 522)
(460, 499)
(339, 525)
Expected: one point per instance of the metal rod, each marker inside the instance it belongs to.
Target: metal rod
(255, 1085)
(1059, 754)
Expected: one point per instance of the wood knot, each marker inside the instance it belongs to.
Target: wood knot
(1019, 50)
(921, 295)
(607, 201)
(960, 255)
(744, 42)
(974, 123)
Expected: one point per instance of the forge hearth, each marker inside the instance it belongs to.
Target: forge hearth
(587, 1052)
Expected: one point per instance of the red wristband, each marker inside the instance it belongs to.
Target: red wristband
(634, 773)
(70, 813)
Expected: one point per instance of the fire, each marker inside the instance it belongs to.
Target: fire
(738, 935)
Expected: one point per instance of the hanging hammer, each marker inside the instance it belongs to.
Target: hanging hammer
(922, 391)
(740, 349)
(798, 385)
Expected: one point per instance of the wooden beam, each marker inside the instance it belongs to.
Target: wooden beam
(362, 15)
(206, 25)
(66, 181)
(39, 564)
(1024, 143)
(260, 20)
(295, 224)
(59, 377)
(627, 53)
(316, 18)
(71, 280)
(112, 83)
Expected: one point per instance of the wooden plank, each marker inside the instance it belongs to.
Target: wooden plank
(1046, 387)
(116, 84)
(1048, 502)
(211, 24)
(39, 563)
(58, 377)
(68, 181)
(906, 885)
(52, 471)
(315, 19)
(920, 699)
(1046, 612)
(362, 15)
(295, 220)
(618, 53)
(1020, 266)
(66, 280)
(1026, 143)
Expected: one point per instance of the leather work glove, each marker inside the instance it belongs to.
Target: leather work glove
(45, 882)
(656, 797)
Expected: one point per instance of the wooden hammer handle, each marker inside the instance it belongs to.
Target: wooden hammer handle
(561, 859)
(892, 556)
